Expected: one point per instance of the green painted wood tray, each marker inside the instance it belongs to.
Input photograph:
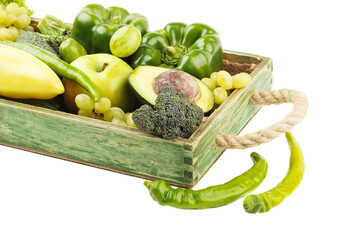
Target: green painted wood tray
(181, 162)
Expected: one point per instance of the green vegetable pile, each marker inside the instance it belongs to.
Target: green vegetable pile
(166, 80)
(54, 35)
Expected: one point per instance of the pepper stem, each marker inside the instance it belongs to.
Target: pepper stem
(252, 204)
(172, 54)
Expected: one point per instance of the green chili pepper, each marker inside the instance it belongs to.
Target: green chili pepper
(94, 26)
(265, 201)
(194, 48)
(214, 196)
(59, 66)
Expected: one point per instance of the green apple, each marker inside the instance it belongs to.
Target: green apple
(110, 75)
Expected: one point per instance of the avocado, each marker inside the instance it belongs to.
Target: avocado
(145, 82)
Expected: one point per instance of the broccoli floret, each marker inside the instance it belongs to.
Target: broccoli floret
(172, 116)
(55, 41)
(146, 124)
(35, 39)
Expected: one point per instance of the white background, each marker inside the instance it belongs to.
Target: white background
(315, 49)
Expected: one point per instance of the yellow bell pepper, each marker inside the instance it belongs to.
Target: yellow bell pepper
(24, 76)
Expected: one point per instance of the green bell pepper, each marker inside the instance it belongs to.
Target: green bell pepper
(195, 49)
(94, 25)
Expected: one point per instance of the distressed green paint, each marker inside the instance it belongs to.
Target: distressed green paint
(90, 141)
(230, 118)
(97, 143)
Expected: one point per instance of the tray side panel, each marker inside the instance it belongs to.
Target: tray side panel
(230, 118)
(92, 142)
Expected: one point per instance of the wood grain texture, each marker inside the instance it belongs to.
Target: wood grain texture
(230, 118)
(181, 162)
(91, 141)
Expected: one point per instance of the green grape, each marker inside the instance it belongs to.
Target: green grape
(85, 113)
(224, 79)
(22, 21)
(84, 102)
(9, 20)
(114, 112)
(213, 76)
(6, 35)
(14, 31)
(108, 116)
(23, 11)
(241, 80)
(210, 83)
(129, 121)
(220, 94)
(119, 121)
(12, 8)
(29, 28)
(103, 105)
(2, 15)
(118, 112)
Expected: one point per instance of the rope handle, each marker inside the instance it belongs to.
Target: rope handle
(274, 97)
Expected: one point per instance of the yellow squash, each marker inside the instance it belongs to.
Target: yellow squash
(24, 76)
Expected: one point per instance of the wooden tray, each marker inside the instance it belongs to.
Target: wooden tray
(181, 162)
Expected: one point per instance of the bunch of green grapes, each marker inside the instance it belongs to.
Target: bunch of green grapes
(13, 19)
(102, 110)
(222, 84)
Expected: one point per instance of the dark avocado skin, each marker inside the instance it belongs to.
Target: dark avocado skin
(138, 96)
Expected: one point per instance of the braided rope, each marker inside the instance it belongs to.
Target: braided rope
(300, 106)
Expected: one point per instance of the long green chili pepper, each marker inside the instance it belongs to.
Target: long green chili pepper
(214, 196)
(59, 66)
(265, 201)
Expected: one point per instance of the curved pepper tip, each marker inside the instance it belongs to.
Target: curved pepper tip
(96, 97)
(149, 185)
(256, 156)
(290, 138)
